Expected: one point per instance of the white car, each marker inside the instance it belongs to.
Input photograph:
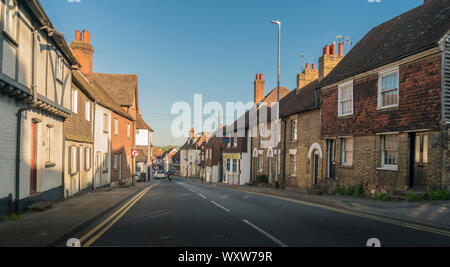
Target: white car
(160, 175)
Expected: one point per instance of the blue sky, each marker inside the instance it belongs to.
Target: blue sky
(180, 48)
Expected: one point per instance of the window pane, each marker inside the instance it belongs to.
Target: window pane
(425, 149)
(418, 145)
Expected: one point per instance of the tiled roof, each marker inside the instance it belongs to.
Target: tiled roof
(122, 87)
(99, 94)
(141, 124)
(306, 99)
(417, 30)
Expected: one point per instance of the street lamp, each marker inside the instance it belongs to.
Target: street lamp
(277, 185)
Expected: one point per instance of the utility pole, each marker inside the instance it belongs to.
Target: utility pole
(277, 185)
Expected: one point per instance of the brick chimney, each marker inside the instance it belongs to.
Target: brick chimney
(307, 76)
(259, 88)
(83, 51)
(330, 58)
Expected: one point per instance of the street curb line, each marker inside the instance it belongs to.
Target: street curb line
(62, 239)
(342, 209)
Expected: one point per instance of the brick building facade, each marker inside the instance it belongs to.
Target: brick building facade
(385, 113)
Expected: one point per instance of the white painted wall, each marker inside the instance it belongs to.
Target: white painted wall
(8, 122)
(47, 178)
(142, 137)
(102, 144)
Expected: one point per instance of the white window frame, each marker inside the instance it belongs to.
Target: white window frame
(49, 136)
(116, 127)
(344, 149)
(346, 84)
(74, 160)
(75, 101)
(87, 158)
(11, 18)
(294, 130)
(388, 166)
(59, 67)
(381, 75)
(88, 111)
(105, 122)
(293, 167)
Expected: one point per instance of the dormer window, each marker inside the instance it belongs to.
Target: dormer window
(345, 99)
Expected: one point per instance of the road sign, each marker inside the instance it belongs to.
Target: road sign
(135, 153)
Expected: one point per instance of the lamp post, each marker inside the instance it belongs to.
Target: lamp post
(277, 185)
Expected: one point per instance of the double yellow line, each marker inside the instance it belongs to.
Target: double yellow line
(114, 217)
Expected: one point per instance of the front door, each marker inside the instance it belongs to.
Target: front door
(33, 172)
(418, 160)
(331, 159)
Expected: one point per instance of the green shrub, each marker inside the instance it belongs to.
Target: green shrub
(262, 179)
(414, 197)
(383, 197)
(353, 191)
(439, 195)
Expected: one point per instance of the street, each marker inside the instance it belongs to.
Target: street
(186, 214)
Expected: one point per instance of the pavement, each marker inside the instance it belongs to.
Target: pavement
(183, 213)
(430, 213)
(65, 218)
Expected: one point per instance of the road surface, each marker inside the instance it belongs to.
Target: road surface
(187, 214)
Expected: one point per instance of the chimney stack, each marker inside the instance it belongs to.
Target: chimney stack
(83, 51)
(259, 88)
(329, 61)
(307, 76)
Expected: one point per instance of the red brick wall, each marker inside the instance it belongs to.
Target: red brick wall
(420, 103)
(121, 144)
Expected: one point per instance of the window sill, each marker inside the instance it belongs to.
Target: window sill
(50, 165)
(387, 108)
(386, 168)
(346, 166)
(346, 116)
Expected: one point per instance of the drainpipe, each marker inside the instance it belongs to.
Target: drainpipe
(19, 120)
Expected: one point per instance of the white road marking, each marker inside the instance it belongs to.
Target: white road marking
(274, 239)
(202, 196)
(218, 205)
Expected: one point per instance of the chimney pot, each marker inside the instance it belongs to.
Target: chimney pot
(77, 35)
(307, 66)
(313, 66)
(86, 37)
(333, 51)
(259, 88)
(341, 49)
(327, 49)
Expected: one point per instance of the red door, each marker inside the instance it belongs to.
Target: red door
(33, 159)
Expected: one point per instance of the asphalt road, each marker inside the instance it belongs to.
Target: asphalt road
(186, 214)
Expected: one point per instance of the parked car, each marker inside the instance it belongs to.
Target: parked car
(160, 175)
